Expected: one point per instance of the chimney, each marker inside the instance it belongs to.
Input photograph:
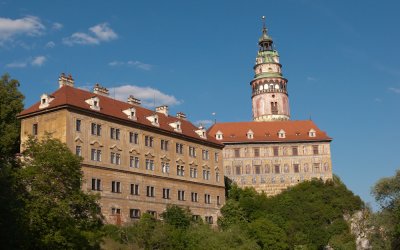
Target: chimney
(134, 101)
(181, 115)
(64, 80)
(162, 109)
(98, 89)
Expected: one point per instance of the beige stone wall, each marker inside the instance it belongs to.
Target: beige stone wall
(51, 122)
(62, 124)
(243, 169)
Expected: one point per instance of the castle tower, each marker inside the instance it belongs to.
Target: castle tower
(269, 88)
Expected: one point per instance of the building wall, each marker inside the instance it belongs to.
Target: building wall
(273, 173)
(63, 126)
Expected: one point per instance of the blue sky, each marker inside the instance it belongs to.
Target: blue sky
(340, 57)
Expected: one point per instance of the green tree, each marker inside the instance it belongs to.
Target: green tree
(177, 216)
(60, 214)
(387, 194)
(11, 103)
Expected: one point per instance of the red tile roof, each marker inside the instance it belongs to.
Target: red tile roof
(235, 132)
(74, 97)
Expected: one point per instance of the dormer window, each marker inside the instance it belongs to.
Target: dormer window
(201, 132)
(45, 101)
(131, 113)
(282, 133)
(312, 133)
(218, 135)
(94, 103)
(153, 119)
(177, 126)
(250, 134)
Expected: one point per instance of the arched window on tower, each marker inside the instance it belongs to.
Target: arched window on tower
(274, 108)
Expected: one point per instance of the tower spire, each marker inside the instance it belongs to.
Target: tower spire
(269, 93)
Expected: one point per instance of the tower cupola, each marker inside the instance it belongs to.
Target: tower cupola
(270, 98)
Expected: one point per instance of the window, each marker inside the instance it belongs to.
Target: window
(192, 151)
(181, 195)
(256, 152)
(296, 168)
(134, 162)
(150, 191)
(134, 213)
(95, 154)
(237, 168)
(115, 158)
(274, 108)
(315, 149)
(164, 145)
(218, 201)
(149, 164)
(96, 129)
(115, 211)
(193, 172)
(148, 141)
(207, 198)
(35, 129)
(205, 155)
(276, 151)
(165, 167)
(195, 197)
(114, 133)
(257, 169)
(277, 169)
(78, 125)
(78, 150)
(206, 174)
(217, 177)
(134, 189)
(96, 184)
(237, 152)
(316, 168)
(295, 151)
(179, 148)
(180, 170)
(152, 213)
(133, 138)
(209, 219)
(166, 193)
(216, 157)
(116, 187)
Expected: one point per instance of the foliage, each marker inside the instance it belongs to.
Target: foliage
(11, 103)
(387, 221)
(60, 214)
(177, 216)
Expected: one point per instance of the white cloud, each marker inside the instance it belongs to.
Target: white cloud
(205, 123)
(311, 79)
(50, 45)
(103, 32)
(136, 64)
(145, 94)
(395, 90)
(29, 25)
(38, 61)
(57, 26)
(97, 34)
(16, 65)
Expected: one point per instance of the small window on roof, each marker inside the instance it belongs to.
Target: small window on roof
(282, 133)
(94, 103)
(131, 113)
(312, 133)
(250, 134)
(218, 135)
(45, 100)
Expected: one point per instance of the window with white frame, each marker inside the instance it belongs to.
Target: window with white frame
(193, 172)
(181, 195)
(95, 154)
(149, 164)
(116, 187)
(165, 167)
(133, 138)
(96, 184)
(134, 161)
(166, 193)
(180, 170)
(195, 197)
(134, 189)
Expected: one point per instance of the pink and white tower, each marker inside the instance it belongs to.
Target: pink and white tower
(269, 88)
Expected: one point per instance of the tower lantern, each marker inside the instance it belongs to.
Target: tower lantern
(269, 88)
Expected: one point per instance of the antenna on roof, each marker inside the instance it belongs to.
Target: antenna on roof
(310, 118)
(215, 119)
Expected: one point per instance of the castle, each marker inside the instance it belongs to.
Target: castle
(272, 152)
(140, 160)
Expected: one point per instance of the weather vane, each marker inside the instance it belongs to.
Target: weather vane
(263, 20)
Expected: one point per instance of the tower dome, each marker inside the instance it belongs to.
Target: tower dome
(270, 98)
